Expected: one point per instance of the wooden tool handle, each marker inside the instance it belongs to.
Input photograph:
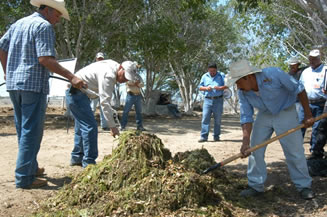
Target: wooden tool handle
(234, 157)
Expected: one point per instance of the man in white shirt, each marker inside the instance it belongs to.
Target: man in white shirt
(133, 97)
(312, 79)
(95, 102)
(101, 78)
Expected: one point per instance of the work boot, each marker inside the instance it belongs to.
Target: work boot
(250, 192)
(202, 140)
(217, 139)
(141, 129)
(307, 194)
(38, 183)
(39, 172)
(105, 128)
(316, 155)
(74, 163)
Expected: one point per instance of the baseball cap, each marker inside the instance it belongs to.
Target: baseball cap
(314, 53)
(293, 61)
(100, 55)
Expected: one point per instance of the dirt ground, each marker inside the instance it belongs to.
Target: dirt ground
(178, 135)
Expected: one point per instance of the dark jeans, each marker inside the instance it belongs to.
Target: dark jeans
(321, 137)
(316, 110)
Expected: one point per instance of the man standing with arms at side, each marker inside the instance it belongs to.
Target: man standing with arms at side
(213, 86)
(133, 97)
(273, 93)
(27, 55)
(312, 79)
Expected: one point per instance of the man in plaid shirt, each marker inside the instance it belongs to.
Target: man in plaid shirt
(27, 55)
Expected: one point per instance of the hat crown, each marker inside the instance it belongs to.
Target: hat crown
(130, 69)
(238, 70)
(242, 68)
(100, 55)
(314, 53)
(59, 5)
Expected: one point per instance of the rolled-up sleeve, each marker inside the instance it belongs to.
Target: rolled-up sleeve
(4, 41)
(246, 109)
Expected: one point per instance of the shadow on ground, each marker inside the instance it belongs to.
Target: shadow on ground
(281, 197)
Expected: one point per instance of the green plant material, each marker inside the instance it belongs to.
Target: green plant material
(140, 178)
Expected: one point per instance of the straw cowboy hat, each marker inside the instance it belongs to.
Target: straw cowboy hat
(238, 70)
(130, 70)
(59, 5)
(293, 61)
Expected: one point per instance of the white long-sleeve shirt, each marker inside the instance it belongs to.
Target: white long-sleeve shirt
(101, 79)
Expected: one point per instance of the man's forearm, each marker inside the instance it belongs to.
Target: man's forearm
(3, 60)
(247, 129)
(303, 98)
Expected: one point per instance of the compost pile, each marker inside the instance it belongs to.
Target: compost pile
(140, 178)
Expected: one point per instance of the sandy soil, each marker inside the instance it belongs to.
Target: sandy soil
(177, 134)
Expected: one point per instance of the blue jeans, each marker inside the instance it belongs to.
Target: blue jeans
(86, 131)
(30, 110)
(215, 107)
(316, 110)
(292, 145)
(131, 100)
(94, 104)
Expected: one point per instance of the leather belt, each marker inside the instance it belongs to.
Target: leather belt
(133, 94)
(317, 101)
(214, 97)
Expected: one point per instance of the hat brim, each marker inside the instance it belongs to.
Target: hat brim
(231, 81)
(62, 10)
(129, 76)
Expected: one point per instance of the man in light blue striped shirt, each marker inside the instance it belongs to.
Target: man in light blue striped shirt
(27, 54)
(273, 92)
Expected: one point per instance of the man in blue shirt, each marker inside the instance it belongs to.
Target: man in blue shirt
(273, 92)
(212, 84)
(312, 78)
(27, 54)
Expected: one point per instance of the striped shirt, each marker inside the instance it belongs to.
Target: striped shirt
(26, 40)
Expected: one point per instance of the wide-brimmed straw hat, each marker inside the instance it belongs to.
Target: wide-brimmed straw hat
(130, 70)
(59, 5)
(238, 70)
